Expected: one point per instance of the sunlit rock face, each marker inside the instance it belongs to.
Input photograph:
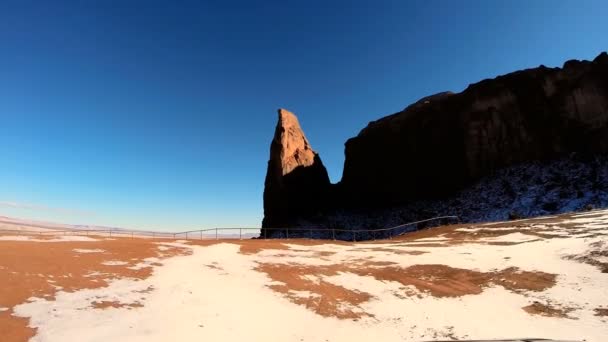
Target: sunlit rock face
(296, 180)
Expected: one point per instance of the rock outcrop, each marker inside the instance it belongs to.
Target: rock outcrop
(438, 146)
(442, 144)
(296, 180)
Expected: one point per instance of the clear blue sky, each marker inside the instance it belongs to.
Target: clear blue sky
(159, 114)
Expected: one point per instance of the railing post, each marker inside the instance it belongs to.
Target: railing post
(240, 234)
(265, 233)
(333, 233)
(353, 235)
(287, 232)
(373, 235)
(216, 233)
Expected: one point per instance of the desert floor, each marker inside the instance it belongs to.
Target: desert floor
(545, 277)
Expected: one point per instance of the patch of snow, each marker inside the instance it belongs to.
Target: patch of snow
(313, 278)
(433, 239)
(304, 294)
(178, 243)
(530, 191)
(114, 263)
(420, 242)
(93, 274)
(147, 262)
(84, 250)
(512, 237)
(492, 229)
(592, 213)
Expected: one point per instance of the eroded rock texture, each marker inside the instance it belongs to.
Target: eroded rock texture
(443, 144)
(446, 141)
(296, 180)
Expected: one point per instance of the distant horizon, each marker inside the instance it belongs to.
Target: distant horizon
(36, 224)
(160, 116)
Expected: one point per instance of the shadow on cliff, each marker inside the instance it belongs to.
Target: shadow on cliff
(302, 193)
(427, 159)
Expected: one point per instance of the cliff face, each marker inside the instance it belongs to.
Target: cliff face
(296, 180)
(444, 143)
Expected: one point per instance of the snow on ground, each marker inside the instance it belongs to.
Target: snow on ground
(55, 238)
(513, 237)
(521, 191)
(187, 307)
(114, 263)
(477, 229)
(84, 250)
(467, 282)
(147, 262)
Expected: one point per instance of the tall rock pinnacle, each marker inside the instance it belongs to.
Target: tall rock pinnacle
(296, 180)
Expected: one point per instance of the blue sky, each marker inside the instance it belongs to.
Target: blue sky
(159, 114)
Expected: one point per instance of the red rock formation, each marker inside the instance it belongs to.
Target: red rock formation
(296, 179)
(443, 143)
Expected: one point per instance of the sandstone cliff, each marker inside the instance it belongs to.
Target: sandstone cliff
(445, 143)
(434, 148)
(296, 180)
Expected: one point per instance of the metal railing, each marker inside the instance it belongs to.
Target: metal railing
(354, 234)
(259, 233)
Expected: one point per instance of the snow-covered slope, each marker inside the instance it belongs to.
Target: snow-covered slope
(533, 189)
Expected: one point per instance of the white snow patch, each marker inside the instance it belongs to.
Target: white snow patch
(433, 239)
(592, 213)
(304, 294)
(478, 229)
(513, 237)
(147, 262)
(420, 242)
(84, 250)
(312, 278)
(520, 220)
(178, 243)
(114, 263)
